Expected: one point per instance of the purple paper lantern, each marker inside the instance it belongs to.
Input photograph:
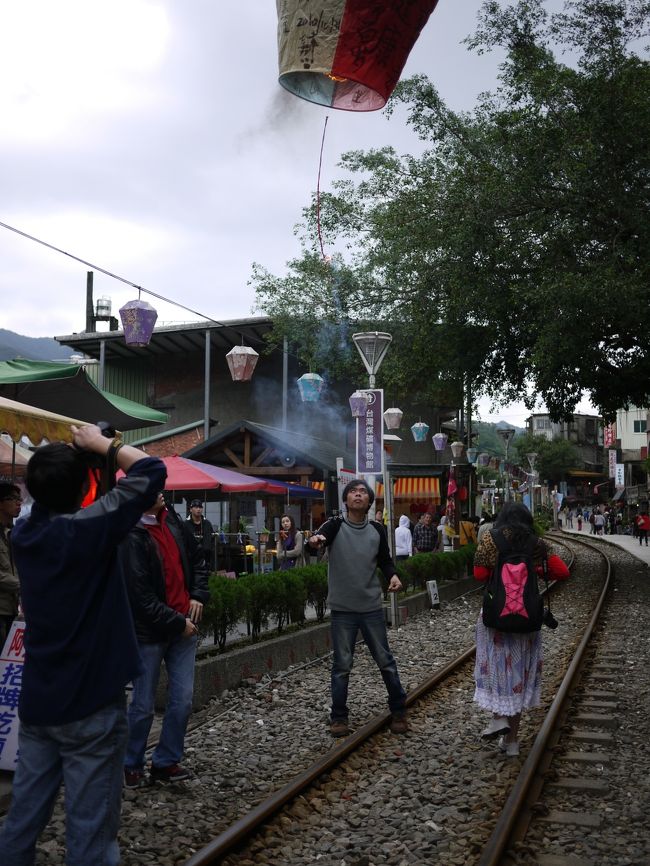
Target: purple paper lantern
(439, 441)
(393, 418)
(484, 459)
(420, 431)
(310, 385)
(241, 363)
(138, 320)
(358, 404)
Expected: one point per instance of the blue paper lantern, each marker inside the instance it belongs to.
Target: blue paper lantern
(310, 386)
(420, 431)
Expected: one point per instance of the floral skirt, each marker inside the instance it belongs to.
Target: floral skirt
(508, 670)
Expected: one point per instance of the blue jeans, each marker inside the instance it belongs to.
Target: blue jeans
(344, 628)
(87, 756)
(179, 655)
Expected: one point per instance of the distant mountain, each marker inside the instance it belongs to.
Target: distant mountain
(488, 438)
(33, 348)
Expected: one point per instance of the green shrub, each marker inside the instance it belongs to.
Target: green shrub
(314, 578)
(224, 609)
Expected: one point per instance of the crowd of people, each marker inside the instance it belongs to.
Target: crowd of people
(125, 593)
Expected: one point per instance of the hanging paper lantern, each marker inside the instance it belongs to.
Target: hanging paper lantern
(138, 320)
(310, 385)
(358, 404)
(347, 54)
(483, 459)
(472, 454)
(456, 449)
(439, 441)
(393, 418)
(420, 431)
(462, 494)
(241, 363)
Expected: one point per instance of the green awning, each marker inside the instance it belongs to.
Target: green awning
(67, 390)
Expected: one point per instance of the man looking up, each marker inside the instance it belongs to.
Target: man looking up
(9, 509)
(167, 587)
(356, 548)
(80, 648)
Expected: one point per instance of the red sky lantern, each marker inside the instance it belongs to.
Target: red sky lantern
(347, 54)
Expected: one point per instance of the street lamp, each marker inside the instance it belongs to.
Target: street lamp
(372, 346)
(532, 457)
(507, 434)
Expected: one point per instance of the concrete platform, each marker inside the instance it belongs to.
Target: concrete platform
(627, 542)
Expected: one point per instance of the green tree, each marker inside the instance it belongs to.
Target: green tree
(514, 250)
(554, 456)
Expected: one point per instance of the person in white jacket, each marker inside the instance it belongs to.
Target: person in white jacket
(403, 539)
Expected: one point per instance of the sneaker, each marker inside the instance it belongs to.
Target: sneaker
(339, 728)
(496, 727)
(510, 748)
(173, 773)
(135, 778)
(399, 724)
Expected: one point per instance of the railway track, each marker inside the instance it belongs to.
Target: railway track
(327, 791)
(435, 795)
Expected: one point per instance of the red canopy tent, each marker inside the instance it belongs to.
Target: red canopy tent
(186, 474)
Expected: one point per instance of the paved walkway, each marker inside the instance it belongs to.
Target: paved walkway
(629, 542)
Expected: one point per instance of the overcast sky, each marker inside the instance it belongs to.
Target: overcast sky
(152, 139)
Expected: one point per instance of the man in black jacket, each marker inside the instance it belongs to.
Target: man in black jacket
(203, 531)
(167, 582)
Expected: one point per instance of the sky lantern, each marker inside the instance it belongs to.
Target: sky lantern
(347, 54)
(420, 431)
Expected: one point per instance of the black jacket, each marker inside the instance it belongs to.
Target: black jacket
(155, 622)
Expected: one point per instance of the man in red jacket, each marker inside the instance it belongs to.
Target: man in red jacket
(643, 527)
(167, 582)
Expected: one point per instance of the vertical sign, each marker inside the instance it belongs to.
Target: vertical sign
(620, 475)
(609, 435)
(11, 675)
(612, 463)
(370, 435)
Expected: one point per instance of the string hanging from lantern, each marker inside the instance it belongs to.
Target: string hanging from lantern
(320, 165)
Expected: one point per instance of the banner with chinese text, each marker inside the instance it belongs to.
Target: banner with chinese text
(370, 435)
(11, 675)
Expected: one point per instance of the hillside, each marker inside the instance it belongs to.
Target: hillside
(489, 440)
(14, 345)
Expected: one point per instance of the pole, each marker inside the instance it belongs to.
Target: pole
(388, 502)
(206, 389)
(285, 377)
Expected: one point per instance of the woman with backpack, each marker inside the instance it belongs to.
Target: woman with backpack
(508, 669)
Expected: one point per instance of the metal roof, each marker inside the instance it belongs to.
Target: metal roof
(173, 339)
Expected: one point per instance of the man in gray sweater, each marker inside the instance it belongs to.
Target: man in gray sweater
(357, 547)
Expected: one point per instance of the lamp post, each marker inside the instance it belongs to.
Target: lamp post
(532, 457)
(507, 434)
(372, 346)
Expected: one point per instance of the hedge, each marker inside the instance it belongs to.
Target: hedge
(282, 595)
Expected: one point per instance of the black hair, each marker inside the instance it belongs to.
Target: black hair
(356, 482)
(8, 491)
(292, 528)
(56, 477)
(519, 521)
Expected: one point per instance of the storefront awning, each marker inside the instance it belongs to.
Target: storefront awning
(413, 488)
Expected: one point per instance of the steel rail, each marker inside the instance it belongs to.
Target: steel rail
(493, 852)
(245, 826)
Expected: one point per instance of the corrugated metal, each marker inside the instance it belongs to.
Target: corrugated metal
(133, 381)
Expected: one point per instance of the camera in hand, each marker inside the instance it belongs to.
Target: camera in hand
(549, 620)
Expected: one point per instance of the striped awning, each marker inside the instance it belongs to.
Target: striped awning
(413, 488)
(318, 485)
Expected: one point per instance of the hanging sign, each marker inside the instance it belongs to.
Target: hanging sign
(11, 675)
(370, 435)
(612, 463)
(609, 435)
(619, 477)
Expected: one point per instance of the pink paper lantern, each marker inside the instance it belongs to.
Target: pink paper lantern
(393, 418)
(138, 320)
(241, 363)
